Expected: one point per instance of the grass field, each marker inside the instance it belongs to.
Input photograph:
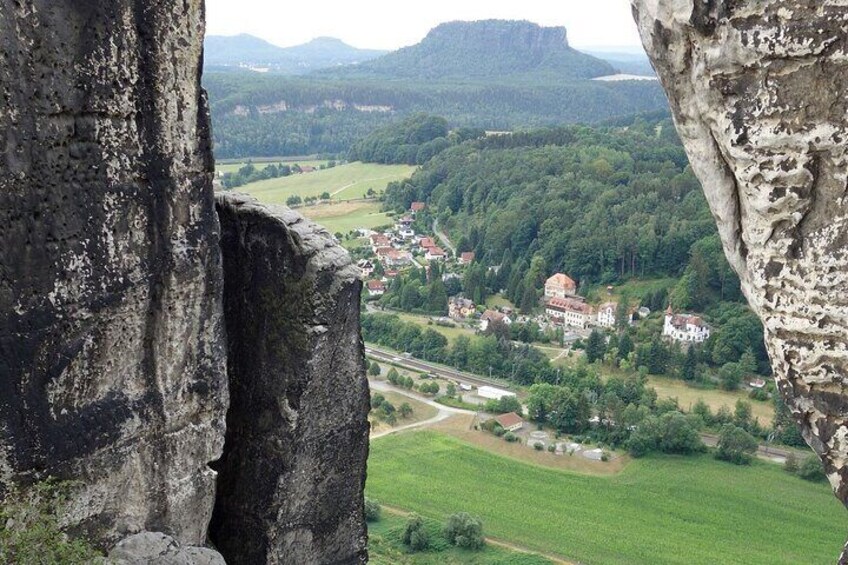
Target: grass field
(385, 547)
(715, 398)
(344, 182)
(346, 216)
(658, 510)
(233, 166)
(450, 333)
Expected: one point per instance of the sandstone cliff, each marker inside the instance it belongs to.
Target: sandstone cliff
(758, 92)
(113, 346)
(293, 471)
(111, 328)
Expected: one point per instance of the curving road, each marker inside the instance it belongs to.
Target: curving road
(444, 413)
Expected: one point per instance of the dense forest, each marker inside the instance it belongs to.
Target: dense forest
(261, 115)
(603, 205)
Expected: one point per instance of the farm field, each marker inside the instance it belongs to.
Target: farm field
(344, 182)
(385, 547)
(659, 510)
(715, 398)
(344, 217)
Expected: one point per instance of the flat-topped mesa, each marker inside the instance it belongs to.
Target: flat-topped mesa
(293, 472)
(759, 92)
(112, 361)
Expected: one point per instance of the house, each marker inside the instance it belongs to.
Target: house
(392, 257)
(366, 266)
(376, 288)
(307, 169)
(569, 312)
(757, 383)
(607, 313)
(460, 308)
(510, 421)
(417, 207)
(685, 327)
(490, 316)
(406, 221)
(406, 233)
(391, 274)
(560, 286)
(435, 254)
(492, 393)
(466, 258)
(379, 240)
(426, 243)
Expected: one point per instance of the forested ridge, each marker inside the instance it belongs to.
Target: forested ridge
(260, 115)
(603, 205)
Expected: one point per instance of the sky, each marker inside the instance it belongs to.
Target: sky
(390, 24)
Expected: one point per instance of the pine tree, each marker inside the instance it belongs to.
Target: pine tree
(595, 346)
(690, 364)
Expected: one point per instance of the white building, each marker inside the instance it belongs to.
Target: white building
(606, 315)
(492, 393)
(569, 312)
(685, 327)
(490, 316)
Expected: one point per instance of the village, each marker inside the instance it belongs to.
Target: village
(399, 248)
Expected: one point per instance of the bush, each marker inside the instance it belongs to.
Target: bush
(736, 445)
(464, 530)
(372, 510)
(393, 376)
(374, 369)
(605, 456)
(30, 530)
(405, 410)
(552, 448)
(791, 464)
(510, 437)
(538, 446)
(499, 431)
(415, 536)
(811, 469)
(377, 400)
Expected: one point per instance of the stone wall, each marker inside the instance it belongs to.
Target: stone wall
(112, 344)
(293, 472)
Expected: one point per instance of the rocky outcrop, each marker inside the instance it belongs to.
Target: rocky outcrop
(155, 548)
(758, 91)
(293, 472)
(112, 351)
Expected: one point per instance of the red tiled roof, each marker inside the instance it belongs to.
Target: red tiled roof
(561, 280)
(509, 419)
(570, 305)
(376, 285)
(467, 257)
(417, 206)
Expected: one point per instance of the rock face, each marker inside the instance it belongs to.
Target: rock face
(293, 472)
(155, 548)
(112, 347)
(758, 91)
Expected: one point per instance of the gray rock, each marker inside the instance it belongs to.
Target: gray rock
(293, 472)
(112, 359)
(758, 91)
(156, 548)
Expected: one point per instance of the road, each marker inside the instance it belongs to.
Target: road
(443, 238)
(444, 413)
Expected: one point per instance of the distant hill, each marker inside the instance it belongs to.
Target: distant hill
(488, 49)
(247, 51)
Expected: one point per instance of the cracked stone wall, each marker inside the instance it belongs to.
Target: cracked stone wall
(112, 348)
(293, 471)
(758, 92)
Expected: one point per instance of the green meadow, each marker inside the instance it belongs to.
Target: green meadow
(658, 510)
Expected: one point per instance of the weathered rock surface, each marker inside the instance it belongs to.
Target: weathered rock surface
(292, 476)
(759, 91)
(112, 347)
(156, 548)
